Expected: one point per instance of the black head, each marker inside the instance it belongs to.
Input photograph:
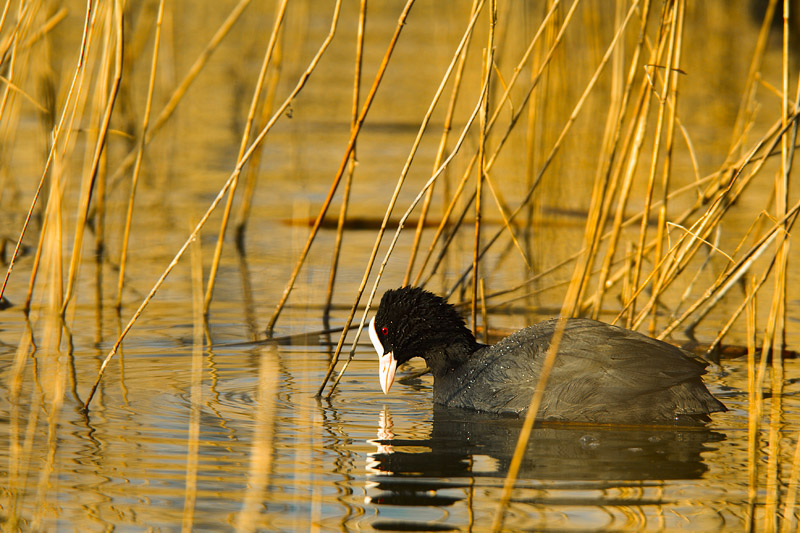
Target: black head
(412, 322)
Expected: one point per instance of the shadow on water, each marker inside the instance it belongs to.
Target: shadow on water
(466, 449)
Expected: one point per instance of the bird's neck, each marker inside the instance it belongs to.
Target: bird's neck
(445, 358)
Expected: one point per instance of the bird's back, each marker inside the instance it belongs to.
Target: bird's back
(602, 373)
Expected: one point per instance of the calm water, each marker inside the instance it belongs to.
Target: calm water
(242, 439)
(361, 460)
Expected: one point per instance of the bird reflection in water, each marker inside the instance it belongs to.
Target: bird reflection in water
(562, 461)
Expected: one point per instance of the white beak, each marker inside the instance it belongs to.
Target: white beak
(387, 363)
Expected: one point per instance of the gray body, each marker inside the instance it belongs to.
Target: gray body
(603, 373)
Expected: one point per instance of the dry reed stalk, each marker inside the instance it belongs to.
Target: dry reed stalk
(531, 152)
(72, 96)
(719, 202)
(632, 146)
(667, 15)
(54, 20)
(484, 314)
(196, 392)
(744, 115)
(258, 139)
(99, 202)
(482, 118)
(527, 425)
(753, 410)
(724, 282)
(447, 126)
(247, 298)
(506, 222)
(342, 166)
(777, 338)
(727, 279)
(12, 42)
(11, 62)
(53, 203)
(351, 168)
(443, 224)
(4, 15)
(255, 161)
(453, 199)
(90, 178)
(402, 221)
(606, 181)
(490, 163)
(527, 283)
(772, 344)
(707, 224)
(455, 196)
(747, 301)
(212, 274)
(723, 198)
(562, 135)
(139, 155)
(515, 118)
(100, 218)
(180, 91)
(15, 89)
(681, 219)
(670, 100)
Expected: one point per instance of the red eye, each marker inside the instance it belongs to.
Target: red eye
(384, 331)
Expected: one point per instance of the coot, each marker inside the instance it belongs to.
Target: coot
(602, 373)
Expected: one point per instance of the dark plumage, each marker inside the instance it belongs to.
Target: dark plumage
(602, 373)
